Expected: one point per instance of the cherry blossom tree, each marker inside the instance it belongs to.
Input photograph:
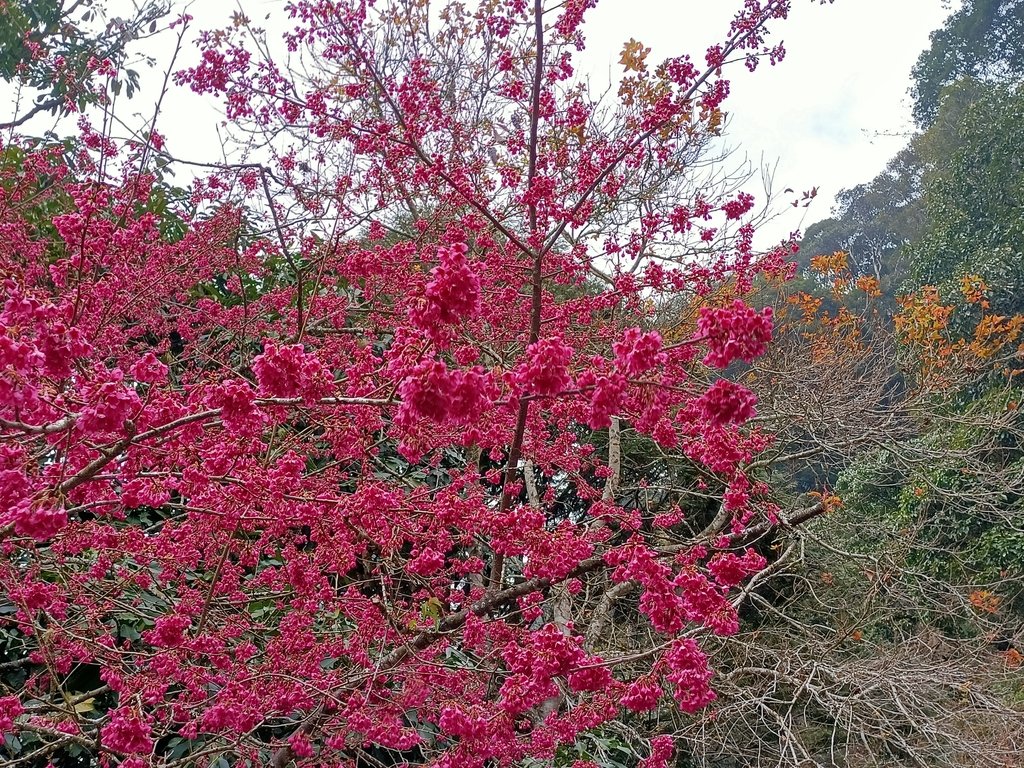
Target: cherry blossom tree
(320, 461)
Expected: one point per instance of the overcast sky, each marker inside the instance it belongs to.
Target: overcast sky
(830, 115)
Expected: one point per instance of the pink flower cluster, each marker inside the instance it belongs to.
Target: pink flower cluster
(729, 569)
(126, 733)
(545, 370)
(737, 493)
(14, 485)
(427, 562)
(638, 352)
(548, 654)
(54, 344)
(432, 391)
(554, 554)
(452, 295)
(111, 404)
(238, 410)
(593, 677)
(727, 403)
(35, 341)
(606, 399)
(704, 602)
(10, 709)
(39, 520)
(734, 209)
(456, 722)
(691, 675)
(168, 631)
(719, 449)
(426, 392)
(149, 369)
(736, 332)
(662, 749)
(642, 695)
(226, 717)
(660, 601)
(290, 371)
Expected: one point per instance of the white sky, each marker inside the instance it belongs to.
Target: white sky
(830, 115)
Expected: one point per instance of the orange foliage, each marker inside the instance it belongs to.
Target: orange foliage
(923, 319)
(830, 501)
(869, 285)
(830, 264)
(974, 290)
(985, 601)
(806, 304)
(923, 322)
(836, 266)
(827, 338)
(634, 55)
(993, 333)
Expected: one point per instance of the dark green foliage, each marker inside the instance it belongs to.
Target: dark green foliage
(21, 19)
(974, 194)
(51, 48)
(983, 40)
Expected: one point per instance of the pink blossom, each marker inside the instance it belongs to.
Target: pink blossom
(736, 332)
(662, 749)
(290, 371)
(127, 733)
(10, 709)
(143, 492)
(727, 403)
(737, 494)
(427, 562)
(149, 369)
(705, 602)
(545, 370)
(456, 722)
(453, 293)
(735, 208)
(236, 400)
(14, 483)
(472, 392)
(111, 404)
(427, 392)
(638, 352)
(690, 674)
(642, 695)
(729, 569)
(593, 678)
(168, 632)
(609, 391)
(40, 520)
